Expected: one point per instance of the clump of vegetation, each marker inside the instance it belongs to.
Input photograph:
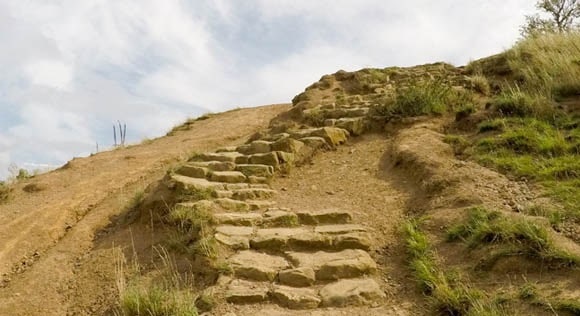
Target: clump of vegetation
(459, 143)
(480, 84)
(537, 150)
(515, 102)
(448, 295)
(424, 98)
(5, 190)
(167, 294)
(525, 237)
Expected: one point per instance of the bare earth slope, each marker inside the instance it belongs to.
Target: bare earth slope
(44, 234)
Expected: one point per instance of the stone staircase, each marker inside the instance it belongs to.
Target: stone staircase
(295, 258)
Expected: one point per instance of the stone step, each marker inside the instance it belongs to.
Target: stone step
(342, 293)
(295, 298)
(214, 165)
(274, 159)
(257, 266)
(253, 194)
(256, 170)
(227, 176)
(332, 135)
(246, 292)
(221, 156)
(315, 142)
(188, 184)
(239, 219)
(235, 237)
(345, 112)
(305, 238)
(351, 292)
(356, 125)
(255, 147)
(324, 217)
(350, 263)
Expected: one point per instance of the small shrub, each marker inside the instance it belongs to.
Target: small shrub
(528, 292)
(480, 84)
(459, 143)
(5, 190)
(491, 125)
(520, 104)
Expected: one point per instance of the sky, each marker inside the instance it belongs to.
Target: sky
(69, 69)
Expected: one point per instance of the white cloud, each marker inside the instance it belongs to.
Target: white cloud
(50, 73)
(72, 68)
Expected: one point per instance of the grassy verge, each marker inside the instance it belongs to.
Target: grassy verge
(168, 293)
(521, 237)
(448, 294)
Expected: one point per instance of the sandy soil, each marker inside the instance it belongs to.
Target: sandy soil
(46, 236)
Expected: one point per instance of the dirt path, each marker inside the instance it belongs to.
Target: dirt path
(353, 178)
(44, 235)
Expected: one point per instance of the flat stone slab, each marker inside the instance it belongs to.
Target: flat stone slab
(234, 242)
(275, 238)
(299, 277)
(324, 217)
(192, 171)
(235, 230)
(314, 142)
(350, 263)
(214, 165)
(353, 292)
(232, 205)
(280, 217)
(257, 266)
(332, 135)
(227, 176)
(239, 219)
(295, 298)
(223, 156)
(339, 229)
(245, 292)
(256, 170)
(191, 184)
(357, 240)
(255, 147)
(253, 194)
(259, 204)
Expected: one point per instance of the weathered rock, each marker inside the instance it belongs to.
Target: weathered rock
(270, 159)
(280, 217)
(339, 229)
(192, 171)
(324, 217)
(357, 240)
(259, 205)
(257, 266)
(203, 205)
(258, 180)
(351, 293)
(253, 194)
(274, 238)
(310, 241)
(299, 277)
(232, 205)
(245, 292)
(289, 145)
(295, 298)
(241, 160)
(227, 176)
(329, 122)
(349, 263)
(235, 230)
(332, 135)
(356, 126)
(236, 186)
(223, 194)
(255, 147)
(223, 156)
(238, 219)
(285, 158)
(226, 149)
(183, 183)
(266, 171)
(234, 242)
(314, 142)
(215, 165)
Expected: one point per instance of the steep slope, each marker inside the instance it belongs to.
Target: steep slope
(47, 235)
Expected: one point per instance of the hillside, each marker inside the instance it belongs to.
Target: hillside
(425, 190)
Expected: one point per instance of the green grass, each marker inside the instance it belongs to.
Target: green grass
(485, 227)
(537, 150)
(447, 293)
(480, 84)
(156, 301)
(515, 102)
